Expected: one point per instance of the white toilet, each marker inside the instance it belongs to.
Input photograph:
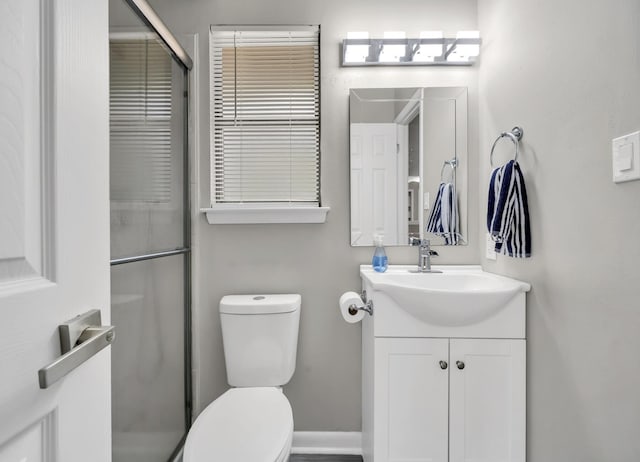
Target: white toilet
(251, 422)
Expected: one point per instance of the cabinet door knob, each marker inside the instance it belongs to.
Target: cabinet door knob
(443, 365)
(460, 365)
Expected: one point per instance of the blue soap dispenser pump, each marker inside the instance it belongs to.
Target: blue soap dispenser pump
(379, 261)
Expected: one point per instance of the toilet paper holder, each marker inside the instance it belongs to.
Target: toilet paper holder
(368, 305)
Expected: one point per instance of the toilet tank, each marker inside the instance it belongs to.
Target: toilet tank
(260, 338)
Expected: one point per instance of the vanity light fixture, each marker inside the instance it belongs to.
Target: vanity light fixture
(394, 49)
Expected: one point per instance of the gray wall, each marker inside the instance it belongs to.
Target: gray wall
(313, 260)
(569, 73)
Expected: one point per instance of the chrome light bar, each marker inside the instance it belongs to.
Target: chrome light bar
(410, 51)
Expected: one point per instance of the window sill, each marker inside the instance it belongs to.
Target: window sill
(256, 215)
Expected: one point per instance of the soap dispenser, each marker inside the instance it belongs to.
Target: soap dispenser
(379, 261)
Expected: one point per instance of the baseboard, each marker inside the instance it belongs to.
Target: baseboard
(346, 443)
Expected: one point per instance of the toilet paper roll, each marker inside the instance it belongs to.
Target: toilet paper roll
(348, 299)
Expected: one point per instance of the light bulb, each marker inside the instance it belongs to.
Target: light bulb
(393, 53)
(463, 52)
(356, 53)
(428, 52)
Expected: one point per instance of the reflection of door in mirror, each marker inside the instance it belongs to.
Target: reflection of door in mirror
(374, 180)
(385, 145)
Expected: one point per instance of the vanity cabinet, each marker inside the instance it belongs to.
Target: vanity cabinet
(442, 380)
(441, 399)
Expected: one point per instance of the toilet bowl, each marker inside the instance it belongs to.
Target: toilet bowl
(243, 425)
(252, 422)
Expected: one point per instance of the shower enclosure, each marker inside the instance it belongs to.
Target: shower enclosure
(150, 236)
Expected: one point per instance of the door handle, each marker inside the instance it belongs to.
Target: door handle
(80, 339)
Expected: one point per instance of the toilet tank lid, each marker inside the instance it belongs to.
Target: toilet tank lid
(260, 303)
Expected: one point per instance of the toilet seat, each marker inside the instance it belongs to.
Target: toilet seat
(243, 425)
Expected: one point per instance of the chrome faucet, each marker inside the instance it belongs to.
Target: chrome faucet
(424, 256)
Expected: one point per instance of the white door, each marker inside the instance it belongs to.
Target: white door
(54, 225)
(487, 414)
(411, 400)
(374, 178)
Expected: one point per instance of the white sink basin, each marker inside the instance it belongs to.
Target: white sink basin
(460, 295)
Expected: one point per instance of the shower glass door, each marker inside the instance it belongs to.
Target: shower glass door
(149, 242)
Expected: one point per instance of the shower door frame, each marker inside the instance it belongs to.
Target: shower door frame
(146, 13)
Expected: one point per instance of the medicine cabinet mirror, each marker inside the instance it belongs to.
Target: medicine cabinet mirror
(404, 143)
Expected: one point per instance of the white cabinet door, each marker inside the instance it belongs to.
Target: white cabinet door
(487, 396)
(410, 400)
(54, 224)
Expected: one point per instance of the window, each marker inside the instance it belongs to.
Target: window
(265, 119)
(140, 121)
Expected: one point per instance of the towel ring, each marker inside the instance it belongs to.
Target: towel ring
(453, 163)
(515, 135)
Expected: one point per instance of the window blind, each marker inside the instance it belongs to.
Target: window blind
(140, 121)
(265, 116)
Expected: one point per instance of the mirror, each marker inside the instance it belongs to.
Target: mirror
(405, 142)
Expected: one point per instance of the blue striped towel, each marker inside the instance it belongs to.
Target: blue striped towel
(508, 211)
(443, 219)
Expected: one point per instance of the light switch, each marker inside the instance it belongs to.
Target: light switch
(626, 157)
(425, 200)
